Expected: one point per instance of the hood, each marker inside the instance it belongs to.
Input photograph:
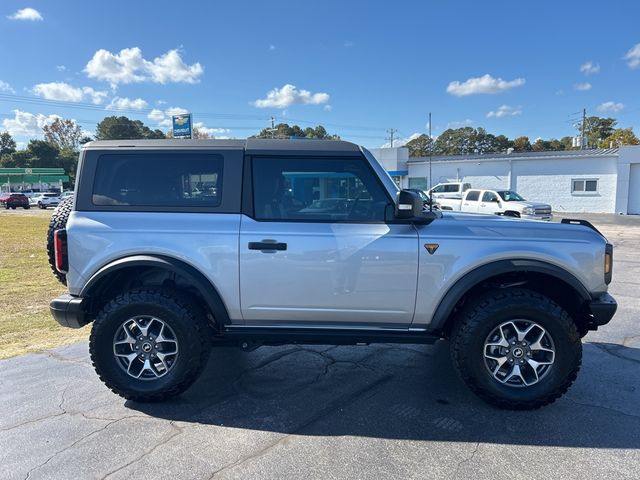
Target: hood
(476, 226)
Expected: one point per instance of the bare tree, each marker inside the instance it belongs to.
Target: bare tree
(63, 133)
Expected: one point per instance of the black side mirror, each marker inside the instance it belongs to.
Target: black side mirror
(408, 205)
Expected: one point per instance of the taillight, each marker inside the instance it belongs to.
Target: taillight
(608, 263)
(60, 250)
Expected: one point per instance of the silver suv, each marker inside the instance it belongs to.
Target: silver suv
(171, 247)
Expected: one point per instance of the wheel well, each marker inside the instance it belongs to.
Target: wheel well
(511, 213)
(553, 287)
(123, 279)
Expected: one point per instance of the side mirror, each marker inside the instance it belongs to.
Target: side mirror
(496, 199)
(408, 205)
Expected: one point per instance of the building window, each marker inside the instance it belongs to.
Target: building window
(584, 186)
(419, 183)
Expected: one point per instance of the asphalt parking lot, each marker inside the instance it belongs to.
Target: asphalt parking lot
(380, 411)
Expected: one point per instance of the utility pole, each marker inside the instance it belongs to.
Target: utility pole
(584, 122)
(272, 130)
(392, 132)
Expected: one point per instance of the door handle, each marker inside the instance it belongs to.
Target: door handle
(267, 246)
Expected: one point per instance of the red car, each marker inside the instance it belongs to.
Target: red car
(13, 200)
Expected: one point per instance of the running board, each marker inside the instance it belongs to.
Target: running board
(250, 338)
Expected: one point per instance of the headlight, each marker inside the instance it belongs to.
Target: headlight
(529, 211)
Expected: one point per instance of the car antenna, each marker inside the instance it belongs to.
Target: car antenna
(430, 154)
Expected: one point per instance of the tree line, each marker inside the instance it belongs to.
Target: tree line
(599, 132)
(63, 138)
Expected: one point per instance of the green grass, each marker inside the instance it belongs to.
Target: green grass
(27, 286)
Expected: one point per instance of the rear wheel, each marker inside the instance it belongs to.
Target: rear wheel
(149, 345)
(27, 207)
(516, 349)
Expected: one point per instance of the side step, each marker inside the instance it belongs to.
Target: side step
(250, 338)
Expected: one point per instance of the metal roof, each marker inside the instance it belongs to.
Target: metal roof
(487, 157)
(255, 146)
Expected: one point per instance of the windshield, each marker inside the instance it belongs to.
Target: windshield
(509, 196)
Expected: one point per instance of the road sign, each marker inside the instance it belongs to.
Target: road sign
(182, 125)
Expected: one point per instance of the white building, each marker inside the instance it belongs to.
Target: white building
(596, 181)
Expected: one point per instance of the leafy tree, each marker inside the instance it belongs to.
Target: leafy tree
(597, 129)
(465, 140)
(19, 159)
(63, 134)
(7, 143)
(283, 130)
(620, 136)
(419, 146)
(521, 144)
(502, 143)
(122, 128)
(541, 145)
(43, 154)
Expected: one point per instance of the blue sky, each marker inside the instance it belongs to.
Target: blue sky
(358, 68)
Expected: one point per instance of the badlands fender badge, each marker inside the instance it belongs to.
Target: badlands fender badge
(431, 247)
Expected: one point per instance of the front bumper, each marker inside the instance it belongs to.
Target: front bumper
(602, 310)
(547, 217)
(68, 311)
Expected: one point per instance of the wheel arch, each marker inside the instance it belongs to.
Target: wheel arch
(106, 280)
(551, 280)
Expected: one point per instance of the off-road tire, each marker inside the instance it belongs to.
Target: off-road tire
(58, 221)
(185, 318)
(484, 313)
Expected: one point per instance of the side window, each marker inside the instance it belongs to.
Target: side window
(312, 189)
(451, 188)
(158, 180)
(438, 189)
(489, 197)
(473, 195)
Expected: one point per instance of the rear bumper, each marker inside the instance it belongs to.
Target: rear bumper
(602, 310)
(68, 311)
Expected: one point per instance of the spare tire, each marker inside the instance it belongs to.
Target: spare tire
(58, 221)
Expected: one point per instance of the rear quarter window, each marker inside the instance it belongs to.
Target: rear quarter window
(472, 195)
(158, 180)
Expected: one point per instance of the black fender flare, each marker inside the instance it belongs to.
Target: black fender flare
(202, 284)
(484, 272)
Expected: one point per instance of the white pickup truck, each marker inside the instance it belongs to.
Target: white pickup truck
(497, 202)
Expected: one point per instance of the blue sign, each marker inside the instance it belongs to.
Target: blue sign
(182, 125)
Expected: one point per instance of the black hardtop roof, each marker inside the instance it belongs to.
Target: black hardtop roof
(252, 146)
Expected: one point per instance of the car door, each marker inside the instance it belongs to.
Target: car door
(489, 203)
(470, 201)
(315, 249)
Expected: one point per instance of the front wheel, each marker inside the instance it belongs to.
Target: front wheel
(149, 345)
(516, 349)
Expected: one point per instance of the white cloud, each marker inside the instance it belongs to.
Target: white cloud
(212, 132)
(156, 115)
(464, 123)
(484, 84)
(582, 87)
(589, 68)
(272, 47)
(123, 103)
(633, 56)
(64, 92)
(61, 68)
(610, 107)
(25, 124)
(289, 95)
(505, 111)
(129, 66)
(5, 87)
(26, 14)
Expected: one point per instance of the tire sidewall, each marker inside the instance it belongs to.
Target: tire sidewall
(567, 352)
(104, 330)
